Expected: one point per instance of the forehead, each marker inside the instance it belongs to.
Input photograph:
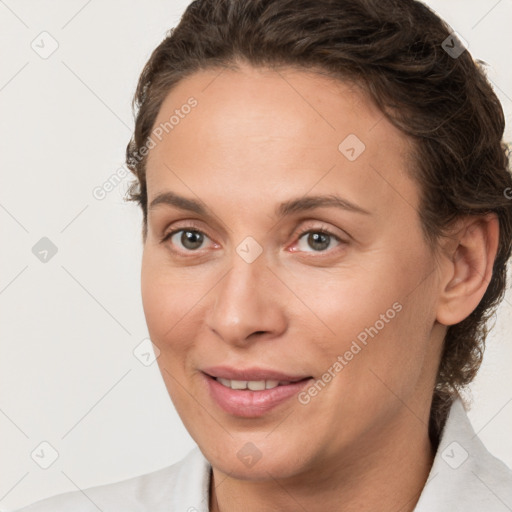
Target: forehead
(282, 132)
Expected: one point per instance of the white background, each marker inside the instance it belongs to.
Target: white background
(68, 375)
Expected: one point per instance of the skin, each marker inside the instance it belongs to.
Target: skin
(259, 137)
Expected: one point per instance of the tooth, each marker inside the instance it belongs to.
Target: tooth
(253, 385)
(238, 384)
(256, 385)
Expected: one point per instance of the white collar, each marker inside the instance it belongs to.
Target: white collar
(464, 475)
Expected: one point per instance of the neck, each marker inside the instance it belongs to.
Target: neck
(385, 471)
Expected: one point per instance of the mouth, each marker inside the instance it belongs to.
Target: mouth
(252, 397)
(255, 385)
(252, 374)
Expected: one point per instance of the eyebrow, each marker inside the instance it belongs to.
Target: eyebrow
(289, 207)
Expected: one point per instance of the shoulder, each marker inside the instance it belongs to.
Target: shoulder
(465, 475)
(182, 486)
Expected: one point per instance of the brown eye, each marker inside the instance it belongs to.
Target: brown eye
(319, 240)
(190, 239)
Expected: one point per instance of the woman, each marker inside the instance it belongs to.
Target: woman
(326, 228)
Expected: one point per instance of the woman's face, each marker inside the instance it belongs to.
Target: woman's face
(305, 260)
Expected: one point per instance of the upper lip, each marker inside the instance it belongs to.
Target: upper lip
(252, 373)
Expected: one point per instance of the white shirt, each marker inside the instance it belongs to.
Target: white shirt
(464, 477)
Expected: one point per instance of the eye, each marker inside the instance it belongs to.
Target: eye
(318, 239)
(190, 238)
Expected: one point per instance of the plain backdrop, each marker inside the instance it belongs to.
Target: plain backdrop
(70, 324)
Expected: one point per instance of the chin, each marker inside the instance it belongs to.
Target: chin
(245, 460)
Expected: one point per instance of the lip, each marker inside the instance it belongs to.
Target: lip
(252, 404)
(254, 373)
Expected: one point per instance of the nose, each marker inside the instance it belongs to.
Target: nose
(248, 303)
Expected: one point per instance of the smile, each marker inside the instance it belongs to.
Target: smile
(253, 385)
(251, 398)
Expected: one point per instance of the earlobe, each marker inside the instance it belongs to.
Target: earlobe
(469, 271)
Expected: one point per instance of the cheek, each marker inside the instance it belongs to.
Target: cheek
(166, 304)
(378, 320)
(156, 300)
(348, 302)
(166, 300)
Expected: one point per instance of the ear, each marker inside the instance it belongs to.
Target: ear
(467, 267)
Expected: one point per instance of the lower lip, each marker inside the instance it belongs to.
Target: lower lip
(251, 404)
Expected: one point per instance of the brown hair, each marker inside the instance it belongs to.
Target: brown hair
(397, 51)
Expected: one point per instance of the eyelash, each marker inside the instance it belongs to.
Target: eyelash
(309, 229)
